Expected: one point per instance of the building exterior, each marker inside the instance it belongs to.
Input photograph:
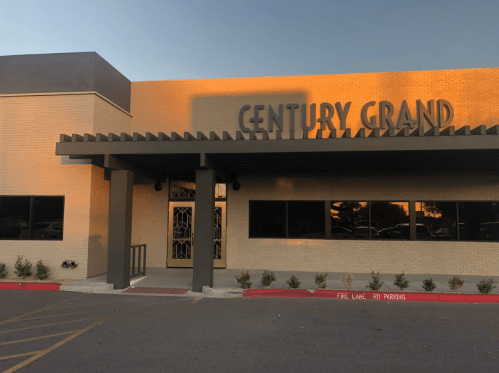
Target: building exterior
(381, 171)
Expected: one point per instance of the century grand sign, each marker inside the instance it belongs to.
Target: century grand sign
(372, 115)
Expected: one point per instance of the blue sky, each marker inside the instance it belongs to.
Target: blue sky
(160, 40)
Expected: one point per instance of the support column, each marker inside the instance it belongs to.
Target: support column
(204, 230)
(120, 228)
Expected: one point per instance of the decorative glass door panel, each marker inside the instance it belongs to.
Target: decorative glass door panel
(181, 235)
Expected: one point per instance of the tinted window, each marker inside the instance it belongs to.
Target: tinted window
(267, 219)
(306, 219)
(17, 213)
(14, 217)
(348, 217)
(478, 221)
(391, 220)
(440, 218)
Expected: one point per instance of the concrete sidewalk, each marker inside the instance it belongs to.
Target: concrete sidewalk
(225, 284)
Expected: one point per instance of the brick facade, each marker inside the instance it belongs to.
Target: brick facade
(361, 256)
(214, 105)
(30, 126)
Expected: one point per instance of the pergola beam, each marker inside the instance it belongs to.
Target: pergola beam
(206, 163)
(112, 162)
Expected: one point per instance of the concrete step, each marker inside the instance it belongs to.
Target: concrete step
(97, 288)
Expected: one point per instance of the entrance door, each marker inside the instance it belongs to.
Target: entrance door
(181, 235)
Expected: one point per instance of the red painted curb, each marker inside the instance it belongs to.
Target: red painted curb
(374, 295)
(29, 286)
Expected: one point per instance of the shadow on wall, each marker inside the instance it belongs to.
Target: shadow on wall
(254, 112)
(97, 256)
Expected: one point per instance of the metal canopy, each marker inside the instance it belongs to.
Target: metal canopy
(393, 150)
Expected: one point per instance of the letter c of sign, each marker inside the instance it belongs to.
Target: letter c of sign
(241, 115)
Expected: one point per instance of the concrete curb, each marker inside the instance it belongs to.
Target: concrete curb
(87, 288)
(374, 295)
(217, 292)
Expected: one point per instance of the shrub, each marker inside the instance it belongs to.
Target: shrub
(22, 269)
(42, 271)
(485, 286)
(428, 284)
(401, 282)
(455, 283)
(3, 270)
(347, 281)
(293, 282)
(375, 284)
(320, 280)
(244, 279)
(267, 278)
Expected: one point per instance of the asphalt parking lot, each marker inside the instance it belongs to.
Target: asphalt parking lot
(72, 332)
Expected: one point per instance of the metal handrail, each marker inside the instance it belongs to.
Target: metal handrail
(143, 257)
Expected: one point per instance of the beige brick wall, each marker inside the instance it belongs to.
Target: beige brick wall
(107, 118)
(413, 257)
(30, 126)
(99, 222)
(150, 222)
(214, 105)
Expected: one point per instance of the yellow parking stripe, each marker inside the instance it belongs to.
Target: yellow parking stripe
(46, 316)
(37, 338)
(57, 345)
(39, 310)
(187, 306)
(96, 304)
(20, 355)
(41, 326)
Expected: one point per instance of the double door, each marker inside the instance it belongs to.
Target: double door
(181, 232)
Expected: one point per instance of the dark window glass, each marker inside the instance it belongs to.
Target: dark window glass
(306, 219)
(47, 218)
(349, 220)
(479, 221)
(436, 220)
(267, 219)
(390, 220)
(14, 217)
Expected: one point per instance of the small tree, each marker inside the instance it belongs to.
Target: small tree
(267, 277)
(293, 282)
(375, 284)
(485, 286)
(3, 270)
(42, 271)
(455, 283)
(347, 280)
(401, 282)
(244, 279)
(428, 284)
(320, 280)
(22, 269)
